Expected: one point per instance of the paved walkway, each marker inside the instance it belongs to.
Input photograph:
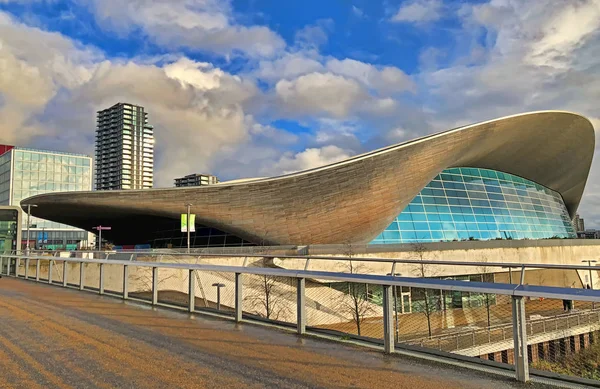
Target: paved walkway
(59, 338)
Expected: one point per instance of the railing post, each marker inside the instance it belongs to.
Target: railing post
(301, 305)
(1, 265)
(125, 281)
(65, 273)
(154, 285)
(50, 271)
(238, 297)
(520, 339)
(388, 321)
(101, 283)
(26, 268)
(192, 290)
(81, 275)
(17, 264)
(37, 270)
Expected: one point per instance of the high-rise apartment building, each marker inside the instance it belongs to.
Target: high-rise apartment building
(578, 223)
(124, 148)
(28, 172)
(196, 180)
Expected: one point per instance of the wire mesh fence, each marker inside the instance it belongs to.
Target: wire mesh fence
(565, 338)
(269, 297)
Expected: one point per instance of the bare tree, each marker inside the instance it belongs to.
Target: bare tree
(356, 302)
(424, 270)
(269, 296)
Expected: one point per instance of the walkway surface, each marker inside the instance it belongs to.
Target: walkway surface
(52, 337)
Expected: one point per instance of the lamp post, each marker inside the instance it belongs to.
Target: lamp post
(187, 223)
(100, 228)
(218, 285)
(28, 215)
(591, 284)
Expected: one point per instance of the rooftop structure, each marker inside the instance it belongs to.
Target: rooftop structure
(196, 180)
(511, 178)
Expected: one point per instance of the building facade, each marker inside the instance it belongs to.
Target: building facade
(28, 172)
(196, 180)
(578, 223)
(510, 178)
(124, 148)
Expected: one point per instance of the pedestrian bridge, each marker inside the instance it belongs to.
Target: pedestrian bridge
(53, 337)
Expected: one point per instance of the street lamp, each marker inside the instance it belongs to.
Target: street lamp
(218, 285)
(28, 215)
(100, 229)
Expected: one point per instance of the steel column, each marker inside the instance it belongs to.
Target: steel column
(388, 320)
(238, 297)
(520, 338)
(65, 273)
(125, 281)
(81, 275)
(301, 305)
(26, 268)
(191, 290)
(154, 285)
(101, 283)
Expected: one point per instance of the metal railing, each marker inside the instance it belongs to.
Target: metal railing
(11, 265)
(490, 266)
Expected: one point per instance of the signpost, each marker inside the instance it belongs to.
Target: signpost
(100, 229)
(188, 224)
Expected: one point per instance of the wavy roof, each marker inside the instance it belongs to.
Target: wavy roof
(351, 200)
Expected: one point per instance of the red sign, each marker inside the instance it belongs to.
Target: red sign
(101, 228)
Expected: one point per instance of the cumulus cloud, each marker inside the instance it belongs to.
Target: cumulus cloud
(320, 93)
(385, 79)
(419, 11)
(307, 159)
(195, 24)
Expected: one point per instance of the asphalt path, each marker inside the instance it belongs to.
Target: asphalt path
(51, 337)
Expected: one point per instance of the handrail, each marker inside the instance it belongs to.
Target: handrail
(426, 283)
(515, 265)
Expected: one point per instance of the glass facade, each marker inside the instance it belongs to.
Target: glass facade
(8, 230)
(480, 204)
(28, 172)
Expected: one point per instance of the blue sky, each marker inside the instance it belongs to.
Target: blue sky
(258, 87)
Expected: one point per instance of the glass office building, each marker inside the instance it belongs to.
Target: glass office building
(480, 204)
(27, 172)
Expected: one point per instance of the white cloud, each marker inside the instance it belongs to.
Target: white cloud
(307, 159)
(195, 24)
(358, 12)
(419, 11)
(316, 93)
(386, 80)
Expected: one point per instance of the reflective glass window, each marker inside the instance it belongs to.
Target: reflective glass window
(480, 204)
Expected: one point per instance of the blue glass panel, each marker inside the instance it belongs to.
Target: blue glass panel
(480, 204)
